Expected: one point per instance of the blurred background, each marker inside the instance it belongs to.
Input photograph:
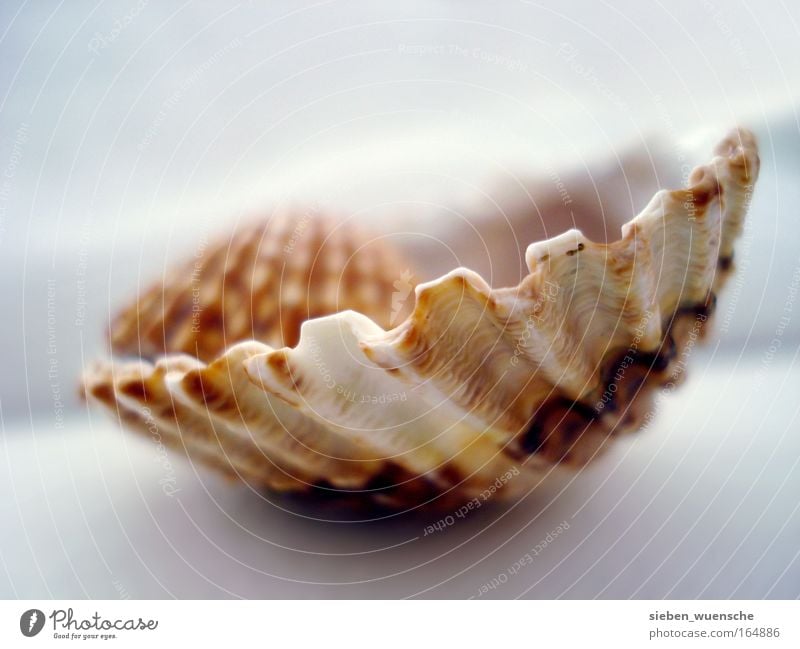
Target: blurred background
(131, 131)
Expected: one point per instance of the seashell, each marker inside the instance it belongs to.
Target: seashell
(477, 393)
(260, 283)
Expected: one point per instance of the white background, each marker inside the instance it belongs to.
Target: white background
(362, 624)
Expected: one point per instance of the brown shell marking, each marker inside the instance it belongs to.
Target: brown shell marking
(261, 283)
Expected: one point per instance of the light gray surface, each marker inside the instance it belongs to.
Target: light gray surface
(704, 504)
